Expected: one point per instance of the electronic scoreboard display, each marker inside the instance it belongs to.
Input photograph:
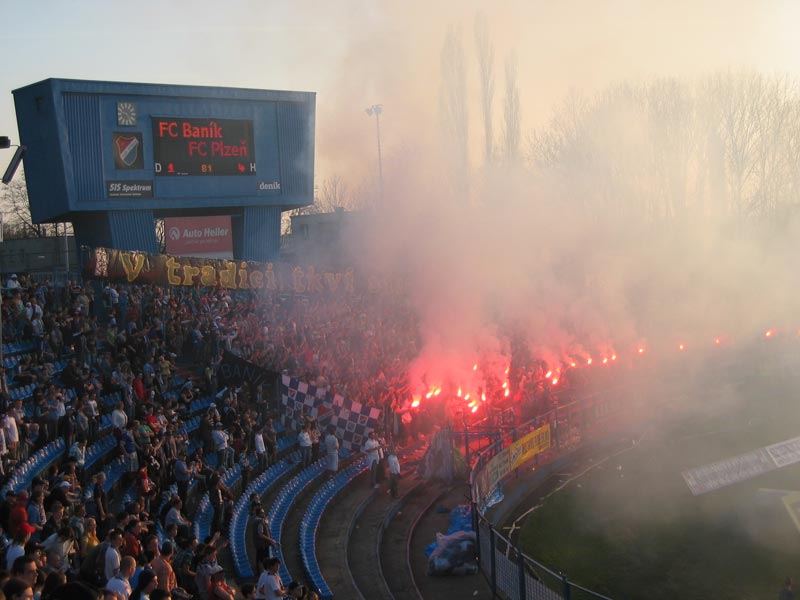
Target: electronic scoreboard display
(203, 147)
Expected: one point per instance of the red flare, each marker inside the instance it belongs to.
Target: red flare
(428, 395)
(572, 364)
(605, 361)
(475, 367)
(415, 403)
(474, 409)
(459, 393)
(548, 374)
(588, 361)
(555, 380)
(483, 397)
(681, 347)
(769, 333)
(506, 371)
(505, 384)
(613, 357)
(437, 391)
(717, 341)
(506, 393)
(641, 350)
(466, 397)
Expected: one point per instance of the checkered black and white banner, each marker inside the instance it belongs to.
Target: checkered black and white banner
(352, 420)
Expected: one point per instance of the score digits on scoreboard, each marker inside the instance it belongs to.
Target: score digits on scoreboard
(203, 147)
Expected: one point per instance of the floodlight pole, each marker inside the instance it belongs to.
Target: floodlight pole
(377, 109)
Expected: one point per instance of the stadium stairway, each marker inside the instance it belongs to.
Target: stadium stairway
(417, 527)
(286, 513)
(346, 542)
(309, 526)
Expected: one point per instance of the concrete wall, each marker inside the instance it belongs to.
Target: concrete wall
(38, 255)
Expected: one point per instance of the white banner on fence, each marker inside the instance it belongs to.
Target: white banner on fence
(728, 471)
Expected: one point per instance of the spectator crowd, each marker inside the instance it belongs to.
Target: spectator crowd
(128, 367)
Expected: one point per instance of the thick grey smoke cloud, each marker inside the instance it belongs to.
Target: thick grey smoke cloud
(592, 257)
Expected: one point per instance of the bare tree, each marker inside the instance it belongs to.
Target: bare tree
(675, 150)
(333, 195)
(453, 109)
(511, 113)
(17, 211)
(485, 51)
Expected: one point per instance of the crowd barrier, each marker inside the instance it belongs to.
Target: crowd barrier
(546, 438)
(283, 502)
(578, 425)
(311, 520)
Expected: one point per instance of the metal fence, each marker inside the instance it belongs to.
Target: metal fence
(510, 573)
(581, 422)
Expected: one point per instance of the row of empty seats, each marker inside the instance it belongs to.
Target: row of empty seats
(34, 465)
(313, 515)
(18, 347)
(283, 502)
(205, 512)
(237, 535)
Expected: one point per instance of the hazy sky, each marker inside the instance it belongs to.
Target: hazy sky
(356, 53)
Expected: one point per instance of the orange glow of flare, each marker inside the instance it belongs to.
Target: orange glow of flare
(415, 403)
(681, 347)
(472, 404)
(506, 393)
(466, 397)
(437, 391)
(474, 409)
(769, 333)
(459, 393)
(505, 384)
(428, 395)
(506, 372)
(605, 361)
(572, 364)
(475, 367)
(717, 341)
(589, 361)
(483, 397)
(613, 357)
(548, 374)
(555, 380)
(641, 350)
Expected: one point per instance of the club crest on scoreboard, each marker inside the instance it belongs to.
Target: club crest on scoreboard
(128, 151)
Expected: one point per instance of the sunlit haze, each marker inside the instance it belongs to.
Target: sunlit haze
(572, 244)
(357, 53)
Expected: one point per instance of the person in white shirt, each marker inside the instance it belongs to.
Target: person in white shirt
(12, 282)
(119, 420)
(121, 582)
(261, 449)
(112, 558)
(224, 452)
(269, 584)
(304, 439)
(58, 547)
(394, 471)
(11, 434)
(372, 448)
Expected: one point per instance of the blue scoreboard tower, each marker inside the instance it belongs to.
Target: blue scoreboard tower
(112, 157)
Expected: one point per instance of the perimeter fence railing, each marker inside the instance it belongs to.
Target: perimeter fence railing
(551, 438)
(540, 441)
